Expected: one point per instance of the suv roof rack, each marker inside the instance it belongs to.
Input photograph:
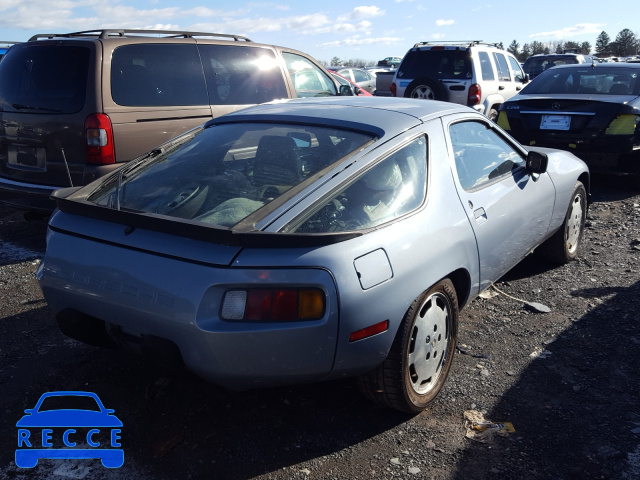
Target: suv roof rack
(467, 43)
(106, 33)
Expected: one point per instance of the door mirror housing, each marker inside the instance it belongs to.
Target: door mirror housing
(537, 162)
(345, 91)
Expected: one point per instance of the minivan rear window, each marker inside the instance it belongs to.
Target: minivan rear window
(44, 78)
(450, 64)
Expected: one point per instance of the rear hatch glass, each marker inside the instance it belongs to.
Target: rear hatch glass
(441, 64)
(223, 174)
(44, 78)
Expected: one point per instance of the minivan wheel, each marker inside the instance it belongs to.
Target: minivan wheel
(421, 355)
(426, 89)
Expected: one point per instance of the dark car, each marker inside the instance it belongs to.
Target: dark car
(536, 64)
(75, 106)
(392, 62)
(590, 110)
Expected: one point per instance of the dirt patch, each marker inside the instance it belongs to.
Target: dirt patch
(567, 381)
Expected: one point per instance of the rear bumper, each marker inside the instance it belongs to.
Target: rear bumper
(614, 154)
(25, 196)
(175, 317)
(36, 198)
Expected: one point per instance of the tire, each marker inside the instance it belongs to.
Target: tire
(565, 245)
(426, 89)
(420, 358)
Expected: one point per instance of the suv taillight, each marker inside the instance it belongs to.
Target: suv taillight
(99, 134)
(393, 89)
(475, 93)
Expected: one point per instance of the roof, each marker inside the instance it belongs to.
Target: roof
(380, 116)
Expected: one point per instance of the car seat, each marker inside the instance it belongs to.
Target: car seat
(277, 162)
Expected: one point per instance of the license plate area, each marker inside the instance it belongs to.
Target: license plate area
(23, 157)
(555, 122)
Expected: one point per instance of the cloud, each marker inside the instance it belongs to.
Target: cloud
(438, 36)
(578, 29)
(357, 41)
(444, 23)
(74, 15)
(366, 12)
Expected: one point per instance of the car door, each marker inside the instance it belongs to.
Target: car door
(508, 208)
(506, 85)
(364, 79)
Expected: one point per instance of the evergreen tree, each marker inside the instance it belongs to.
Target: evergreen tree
(602, 45)
(626, 43)
(514, 48)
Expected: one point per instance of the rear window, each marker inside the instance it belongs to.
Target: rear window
(222, 174)
(606, 81)
(449, 64)
(44, 78)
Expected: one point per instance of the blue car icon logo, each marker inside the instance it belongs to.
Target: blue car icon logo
(69, 425)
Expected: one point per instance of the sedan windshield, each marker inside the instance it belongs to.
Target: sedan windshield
(224, 173)
(586, 80)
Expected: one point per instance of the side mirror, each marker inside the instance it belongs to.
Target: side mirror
(537, 162)
(346, 91)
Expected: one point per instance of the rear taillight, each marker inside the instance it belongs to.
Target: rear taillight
(503, 120)
(273, 304)
(623, 125)
(393, 89)
(99, 134)
(475, 94)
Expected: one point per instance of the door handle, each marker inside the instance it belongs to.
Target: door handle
(501, 87)
(480, 215)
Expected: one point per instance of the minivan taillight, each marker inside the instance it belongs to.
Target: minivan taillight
(393, 89)
(475, 93)
(99, 134)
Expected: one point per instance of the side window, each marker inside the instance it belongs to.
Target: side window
(153, 75)
(481, 155)
(392, 188)
(518, 75)
(242, 75)
(503, 68)
(485, 66)
(360, 76)
(308, 79)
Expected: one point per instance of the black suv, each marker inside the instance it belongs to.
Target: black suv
(536, 64)
(75, 106)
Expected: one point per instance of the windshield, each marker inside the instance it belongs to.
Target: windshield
(224, 173)
(587, 80)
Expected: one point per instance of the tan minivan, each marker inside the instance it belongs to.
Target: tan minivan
(75, 106)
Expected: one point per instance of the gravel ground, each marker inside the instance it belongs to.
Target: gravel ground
(566, 380)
